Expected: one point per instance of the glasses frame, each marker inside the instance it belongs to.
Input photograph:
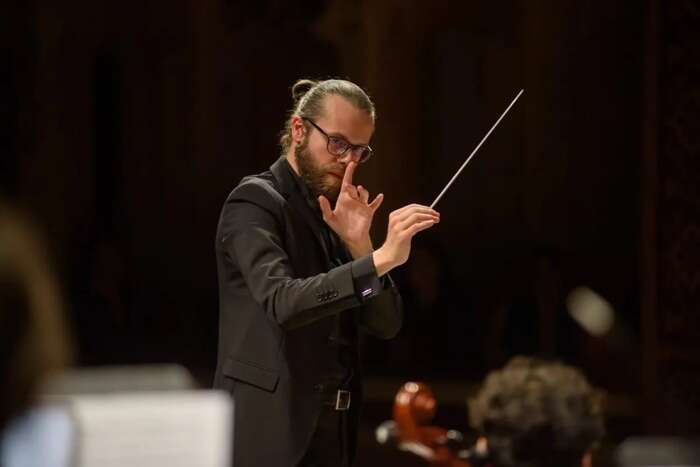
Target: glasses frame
(370, 151)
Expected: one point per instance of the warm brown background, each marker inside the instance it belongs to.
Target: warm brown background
(125, 124)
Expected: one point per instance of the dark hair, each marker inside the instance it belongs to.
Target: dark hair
(308, 97)
(33, 339)
(536, 413)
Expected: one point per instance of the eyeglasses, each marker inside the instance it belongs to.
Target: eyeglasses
(338, 146)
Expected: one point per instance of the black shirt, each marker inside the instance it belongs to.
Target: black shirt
(343, 340)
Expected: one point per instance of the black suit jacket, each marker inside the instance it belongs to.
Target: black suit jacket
(279, 299)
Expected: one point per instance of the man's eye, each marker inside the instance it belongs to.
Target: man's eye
(362, 152)
(338, 143)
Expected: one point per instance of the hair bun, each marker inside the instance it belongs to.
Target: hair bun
(301, 87)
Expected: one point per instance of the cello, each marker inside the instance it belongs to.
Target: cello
(411, 430)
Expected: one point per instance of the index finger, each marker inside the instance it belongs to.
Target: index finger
(349, 170)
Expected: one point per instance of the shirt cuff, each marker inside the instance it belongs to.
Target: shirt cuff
(364, 277)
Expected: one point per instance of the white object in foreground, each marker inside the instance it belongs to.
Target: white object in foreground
(166, 428)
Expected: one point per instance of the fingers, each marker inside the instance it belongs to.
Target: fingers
(401, 214)
(406, 208)
(374, 205)
(418, 227)
(364, 194)
(413, 207)
(326, 210)
(349, 171)
(351, 190)
(415, 218)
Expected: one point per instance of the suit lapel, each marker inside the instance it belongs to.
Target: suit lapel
(281, 171)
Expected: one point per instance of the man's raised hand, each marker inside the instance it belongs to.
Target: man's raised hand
(404, 223)
(352, 217)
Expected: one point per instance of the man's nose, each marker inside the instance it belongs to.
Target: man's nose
(349, 156)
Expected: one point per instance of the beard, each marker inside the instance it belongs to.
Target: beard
(316, 176)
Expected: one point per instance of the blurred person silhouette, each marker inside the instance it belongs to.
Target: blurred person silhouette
(537, 413)
(34, 345)
(533, 319)
(438, 335)
(534, 316)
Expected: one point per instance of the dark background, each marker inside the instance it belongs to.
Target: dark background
(124, 125)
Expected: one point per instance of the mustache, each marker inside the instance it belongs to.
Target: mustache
(335, 168)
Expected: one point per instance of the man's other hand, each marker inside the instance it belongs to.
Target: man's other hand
(404, 223)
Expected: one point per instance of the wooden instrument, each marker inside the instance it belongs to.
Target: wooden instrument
(411, 430)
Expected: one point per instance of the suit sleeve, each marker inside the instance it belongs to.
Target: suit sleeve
(252, 232)
(382, 312)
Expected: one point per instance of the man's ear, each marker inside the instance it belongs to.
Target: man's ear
(298, 129)
(587, 459)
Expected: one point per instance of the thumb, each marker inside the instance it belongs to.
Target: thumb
(325, 208)
(377, 202)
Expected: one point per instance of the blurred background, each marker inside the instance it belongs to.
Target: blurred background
(573, 233)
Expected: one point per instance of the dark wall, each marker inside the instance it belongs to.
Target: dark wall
(671, 231)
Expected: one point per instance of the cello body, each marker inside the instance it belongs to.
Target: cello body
(414, 409)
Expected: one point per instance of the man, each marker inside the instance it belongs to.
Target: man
(298, 278)
(535, 413)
